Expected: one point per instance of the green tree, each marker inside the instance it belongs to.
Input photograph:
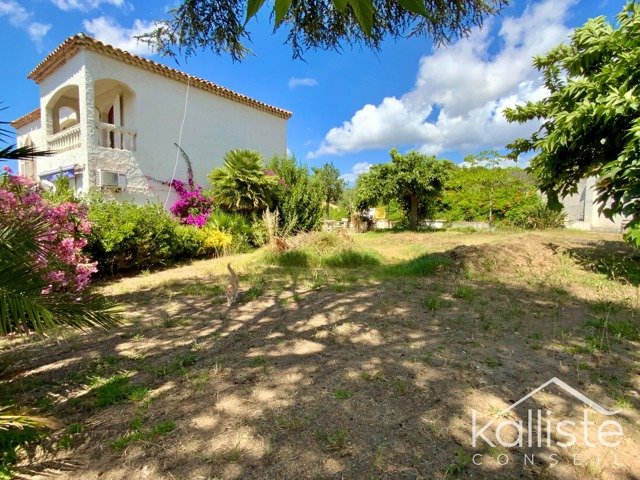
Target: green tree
(488, 159)
(414, 180)
(316, 24)
(297, 197)
(347, 201)
(476, 193)
(332, 186)
(590, 122)
(242, 185)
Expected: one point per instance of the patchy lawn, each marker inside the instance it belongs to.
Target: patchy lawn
(361, 363)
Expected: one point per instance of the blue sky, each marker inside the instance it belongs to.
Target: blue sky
(349, 108)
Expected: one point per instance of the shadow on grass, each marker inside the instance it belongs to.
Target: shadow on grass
(616, 260)
(370, 262)
(303, 383)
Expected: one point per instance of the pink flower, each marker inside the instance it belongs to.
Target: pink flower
(60, 259)
(32, 198)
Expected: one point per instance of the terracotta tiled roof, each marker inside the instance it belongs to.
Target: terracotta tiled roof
(32, 116)
(67, 49)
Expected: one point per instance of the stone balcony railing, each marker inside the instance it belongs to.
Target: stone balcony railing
(109, 136)
(113, 136)
(65, 140)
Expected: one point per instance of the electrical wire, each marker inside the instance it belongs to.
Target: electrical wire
(175, 166)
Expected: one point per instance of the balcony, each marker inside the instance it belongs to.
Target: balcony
(113, 136)
(65, 140)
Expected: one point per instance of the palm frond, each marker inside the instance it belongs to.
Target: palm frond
(23, 307)
(13, 152)
(241, 183)
(11, 417)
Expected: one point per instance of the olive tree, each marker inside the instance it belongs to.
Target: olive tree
(330, 182)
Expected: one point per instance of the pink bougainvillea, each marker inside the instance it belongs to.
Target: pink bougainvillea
(192, 207)
(62, 262)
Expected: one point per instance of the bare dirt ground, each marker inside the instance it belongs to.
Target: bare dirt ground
(356, 373)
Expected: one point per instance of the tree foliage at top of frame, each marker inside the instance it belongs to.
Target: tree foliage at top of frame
(221, 25)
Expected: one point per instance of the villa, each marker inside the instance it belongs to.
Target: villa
(111, 118)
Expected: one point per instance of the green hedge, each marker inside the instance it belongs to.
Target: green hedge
(126, 236)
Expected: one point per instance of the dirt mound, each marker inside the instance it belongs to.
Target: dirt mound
(514, 257)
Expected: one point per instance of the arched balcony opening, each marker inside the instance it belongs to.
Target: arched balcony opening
(63, 119)
(115, 114)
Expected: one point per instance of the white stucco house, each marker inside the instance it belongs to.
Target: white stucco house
(111, 119)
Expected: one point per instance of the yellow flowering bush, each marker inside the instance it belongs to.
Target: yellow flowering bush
(216, 241)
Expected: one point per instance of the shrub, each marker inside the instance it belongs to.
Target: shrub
(60, 260)
(188, 243)
(468, 193)
(297, 197)
(536, 216)
(192, 207)
(338, 212)
(243, 232)
(216, 241)
(128, 236)
(351, 259)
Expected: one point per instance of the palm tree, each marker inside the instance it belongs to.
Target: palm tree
(242, 185)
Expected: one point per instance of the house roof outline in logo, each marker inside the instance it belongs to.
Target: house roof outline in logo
(567, 388)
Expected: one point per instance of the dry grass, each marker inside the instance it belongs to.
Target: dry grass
(366, 371)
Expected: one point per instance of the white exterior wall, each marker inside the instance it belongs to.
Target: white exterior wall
(71, 73)
(33, 131)
(213, 126)
(582, 210)
(36, 134)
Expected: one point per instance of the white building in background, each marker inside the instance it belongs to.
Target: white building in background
(582, 210)
(111, 119)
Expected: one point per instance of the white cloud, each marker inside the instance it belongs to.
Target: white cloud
(107, 30)
(19, 17)
(357, 170)
(37, 31)
(461, 91)
(86, 5)
(302, 82)
(16, 13)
